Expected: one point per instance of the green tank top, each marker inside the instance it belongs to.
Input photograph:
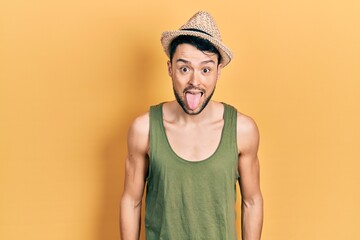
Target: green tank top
(191, 200)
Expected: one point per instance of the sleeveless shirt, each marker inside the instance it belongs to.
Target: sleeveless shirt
(191, 200)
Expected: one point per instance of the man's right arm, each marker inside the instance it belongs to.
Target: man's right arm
(136, 167)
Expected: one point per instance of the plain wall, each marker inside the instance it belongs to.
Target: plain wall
(74, 74)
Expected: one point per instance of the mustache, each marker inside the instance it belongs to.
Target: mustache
(193, 88)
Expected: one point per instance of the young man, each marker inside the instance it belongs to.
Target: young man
(192, 151)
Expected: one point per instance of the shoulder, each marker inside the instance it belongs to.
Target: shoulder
(246, 125)
(138, 135)
(247, 133)
(140, 124)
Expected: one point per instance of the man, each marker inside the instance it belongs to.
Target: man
(192, 151)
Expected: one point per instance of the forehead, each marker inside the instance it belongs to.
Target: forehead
(190, 53)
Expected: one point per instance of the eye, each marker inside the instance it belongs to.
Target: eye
(184, 69)
(206, 70)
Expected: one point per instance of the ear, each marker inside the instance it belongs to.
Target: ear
(219, 70)
(169, 68)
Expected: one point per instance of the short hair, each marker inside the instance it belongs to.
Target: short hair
(200, 43)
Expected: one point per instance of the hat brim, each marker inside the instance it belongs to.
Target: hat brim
(168, 36)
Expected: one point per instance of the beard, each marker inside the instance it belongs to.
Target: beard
(188, 111)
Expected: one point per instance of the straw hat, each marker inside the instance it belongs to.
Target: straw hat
(201, 25)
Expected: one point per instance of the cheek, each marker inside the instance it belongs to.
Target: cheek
(210, 81)
(177, 85)
(179, 79)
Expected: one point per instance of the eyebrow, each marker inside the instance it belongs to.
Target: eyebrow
(182, 60)
(203, 62)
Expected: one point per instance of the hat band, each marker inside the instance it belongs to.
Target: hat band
(196, 30)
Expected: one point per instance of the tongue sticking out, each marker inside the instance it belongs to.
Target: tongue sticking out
(193, 100)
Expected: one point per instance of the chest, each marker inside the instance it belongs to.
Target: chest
(194, 143)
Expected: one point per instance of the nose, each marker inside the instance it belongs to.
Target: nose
(195, 79)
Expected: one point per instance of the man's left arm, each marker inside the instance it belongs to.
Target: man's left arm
(249, 181)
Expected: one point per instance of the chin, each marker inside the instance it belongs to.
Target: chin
(193, 112)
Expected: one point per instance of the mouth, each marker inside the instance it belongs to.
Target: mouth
(194, 90)
(193, 98)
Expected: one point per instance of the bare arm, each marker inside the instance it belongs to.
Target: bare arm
(136, 167)
(252, 201)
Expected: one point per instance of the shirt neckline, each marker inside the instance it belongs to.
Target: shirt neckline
(207, 159)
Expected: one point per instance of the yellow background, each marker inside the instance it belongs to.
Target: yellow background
(73, 75)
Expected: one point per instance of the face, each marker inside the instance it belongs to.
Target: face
(194, 75)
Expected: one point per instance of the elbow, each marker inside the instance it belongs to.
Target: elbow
(130, 202)
(253, 202)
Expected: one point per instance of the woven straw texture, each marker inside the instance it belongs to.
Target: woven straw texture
(202, 25)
